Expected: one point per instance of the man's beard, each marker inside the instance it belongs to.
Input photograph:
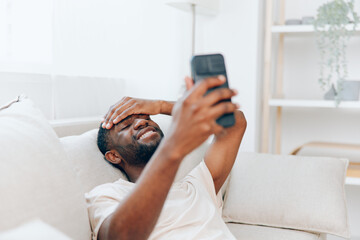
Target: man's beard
(139, 154)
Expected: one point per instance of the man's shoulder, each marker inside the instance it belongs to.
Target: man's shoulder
(199, 172)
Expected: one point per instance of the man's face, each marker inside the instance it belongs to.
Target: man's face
(136, 138)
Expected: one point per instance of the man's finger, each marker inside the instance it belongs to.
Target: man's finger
(112, 113)
(218, 95)
(201, 87)
(217, 129)
(106, 123)
(222, 108)
(120, 112)
(124, 114)
(189, 83)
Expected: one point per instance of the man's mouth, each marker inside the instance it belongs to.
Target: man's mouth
(146, 133)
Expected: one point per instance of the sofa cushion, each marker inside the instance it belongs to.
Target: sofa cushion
(251, 232)
(305, 193)
(88, 162)
(36, 178)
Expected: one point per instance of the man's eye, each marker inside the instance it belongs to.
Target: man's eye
(125, 127)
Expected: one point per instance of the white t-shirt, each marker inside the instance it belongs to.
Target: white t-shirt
(192, 209)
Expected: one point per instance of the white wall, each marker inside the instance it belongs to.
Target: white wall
(25, 32)
(235, 33)
(144, 42)
(148, 43)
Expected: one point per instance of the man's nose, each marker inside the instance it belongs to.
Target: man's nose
(140, 122)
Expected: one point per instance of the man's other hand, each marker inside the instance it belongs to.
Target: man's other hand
(128, 106)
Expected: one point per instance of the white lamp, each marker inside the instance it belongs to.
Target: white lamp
(207, 7)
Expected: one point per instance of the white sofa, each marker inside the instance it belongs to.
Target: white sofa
(44, 177)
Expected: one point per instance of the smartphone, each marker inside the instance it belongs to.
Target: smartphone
(204, 66)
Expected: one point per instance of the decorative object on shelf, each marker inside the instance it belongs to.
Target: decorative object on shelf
(330, 94)
(350, 91)
(293, 22)
(308, 20)
(332, 39)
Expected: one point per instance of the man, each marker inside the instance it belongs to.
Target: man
(150, 205)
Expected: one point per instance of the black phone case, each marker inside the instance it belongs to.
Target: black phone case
(204, 66)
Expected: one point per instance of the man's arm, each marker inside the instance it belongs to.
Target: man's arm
(221, 155)
(128, 106)
(193, 122)
(137, 215)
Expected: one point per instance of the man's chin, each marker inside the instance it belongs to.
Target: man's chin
(151, 144)
(146, 150)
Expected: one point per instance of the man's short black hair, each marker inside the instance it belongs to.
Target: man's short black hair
(104, 144)
(103, 140)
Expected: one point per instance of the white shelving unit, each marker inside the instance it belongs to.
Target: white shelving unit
(275, 33)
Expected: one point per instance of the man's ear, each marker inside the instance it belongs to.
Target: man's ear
(113, 156)
(189, 83)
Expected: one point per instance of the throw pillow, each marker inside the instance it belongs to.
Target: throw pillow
(36, 178)
(304, 193)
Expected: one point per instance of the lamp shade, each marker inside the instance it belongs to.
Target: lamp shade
(207, 7)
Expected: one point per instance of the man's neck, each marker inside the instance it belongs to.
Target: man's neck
(134, 172)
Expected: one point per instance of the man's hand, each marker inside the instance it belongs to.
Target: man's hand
(194, 116)
(128, 106)
(239, 126)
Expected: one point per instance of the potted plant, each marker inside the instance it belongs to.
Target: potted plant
(335, 23)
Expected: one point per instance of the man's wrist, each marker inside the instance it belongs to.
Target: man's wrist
(166, 107)
(170, 152)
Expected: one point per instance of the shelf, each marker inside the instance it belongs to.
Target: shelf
(353, 174)
(313, 103)
(300, 28)
(352, 181)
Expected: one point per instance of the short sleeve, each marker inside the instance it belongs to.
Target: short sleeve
(101, 202)
(202, 175)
